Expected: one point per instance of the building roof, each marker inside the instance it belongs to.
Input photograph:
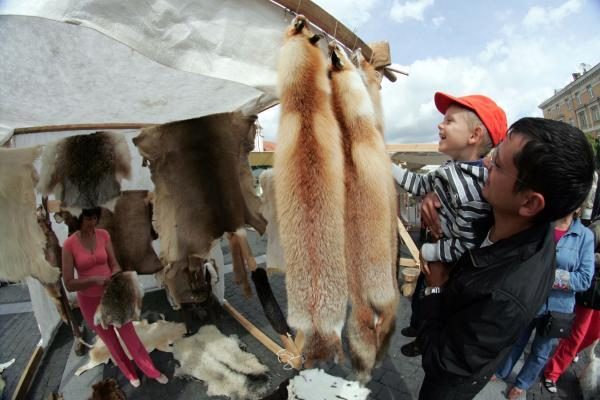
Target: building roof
(576, 83)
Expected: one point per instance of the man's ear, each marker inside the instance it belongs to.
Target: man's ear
(533, 204)
(476, 135)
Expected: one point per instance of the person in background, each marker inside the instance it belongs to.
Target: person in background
(574, 270)
(588, 206)
(89, 251)
(472, 125)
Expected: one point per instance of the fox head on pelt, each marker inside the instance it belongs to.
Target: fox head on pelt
(299, 26)
(339, 59)
(370, 75)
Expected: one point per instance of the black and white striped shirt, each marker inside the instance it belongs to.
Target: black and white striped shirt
(458, 186)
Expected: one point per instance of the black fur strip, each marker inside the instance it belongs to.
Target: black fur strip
(269, 302)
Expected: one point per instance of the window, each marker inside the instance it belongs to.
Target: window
(548, 112)
(556, 107)
(571, 122)
(578, 97)
(582, 119)
(590, 91)
(595, 113)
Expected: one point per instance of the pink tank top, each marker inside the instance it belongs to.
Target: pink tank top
(90, 263)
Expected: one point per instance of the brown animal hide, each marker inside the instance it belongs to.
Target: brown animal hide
(22, 240)
(85, 171)
(121, 301)
(185, 281)
(204, 187)
(369, 223)
(107, 389)
(309, 192)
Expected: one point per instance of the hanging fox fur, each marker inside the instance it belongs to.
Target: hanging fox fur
(309, 192)
(22, 241)
(121, 301)
(85, 171)
(275, 259)
(159, 335)
(220, 362)
(372, 80)
(370, 193)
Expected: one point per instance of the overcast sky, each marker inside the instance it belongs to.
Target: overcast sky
(515, 51)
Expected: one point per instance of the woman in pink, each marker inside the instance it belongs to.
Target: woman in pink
(90, 252)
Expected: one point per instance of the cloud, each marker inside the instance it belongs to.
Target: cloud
(409, 10)
(539, 16)
(352, 13)
(437, 21)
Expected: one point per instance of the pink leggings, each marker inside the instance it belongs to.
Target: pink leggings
(88, 307)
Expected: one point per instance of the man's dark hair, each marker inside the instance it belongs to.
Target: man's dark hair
(90, 212)
(557, 161)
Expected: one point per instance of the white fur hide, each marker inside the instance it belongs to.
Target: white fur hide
(590, 377)
(317, 384)
(158, 335)
(22, 241)
(218, 360)
(268, 209)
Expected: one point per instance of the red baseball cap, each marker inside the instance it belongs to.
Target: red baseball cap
(492, 116)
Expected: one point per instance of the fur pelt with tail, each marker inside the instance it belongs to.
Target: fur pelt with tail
(159, 335)
(220, 362)
(85, 171)
(372, 80)
(121, 301)
(107, 389)
(309, 192)
(369, 223)
(268, 208)
(590, 376)
(22, 241)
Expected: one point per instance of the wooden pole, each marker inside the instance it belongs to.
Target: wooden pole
(79, 127)
(412, 247)
(27, 376)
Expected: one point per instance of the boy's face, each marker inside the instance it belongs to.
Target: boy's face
(454, 132)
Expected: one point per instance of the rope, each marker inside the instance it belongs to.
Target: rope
(290, 357)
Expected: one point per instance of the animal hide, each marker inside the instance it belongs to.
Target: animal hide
(3, 366)
(121, 301)
(589, 379)
(107, 389)
(369, 223)
(275, 259)
(203, 182)
(159, 335)
(85, 171)
(219, 361)
(185, 281)
(316, 383)
(23, 242)
(309, 192)
(372, 80)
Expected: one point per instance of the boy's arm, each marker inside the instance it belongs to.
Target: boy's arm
(416, 184)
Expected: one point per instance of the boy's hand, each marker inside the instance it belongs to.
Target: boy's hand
(429, 214)
(437, 274)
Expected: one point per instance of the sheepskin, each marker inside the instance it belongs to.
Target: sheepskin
(219, 361)
(159, 335)
(268, 208)
(121, 301)
(85, 171)
(309, 192)
(22, 241)
(317, 384)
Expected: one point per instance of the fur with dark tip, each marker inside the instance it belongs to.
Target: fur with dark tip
(121, 301)
(107, 389)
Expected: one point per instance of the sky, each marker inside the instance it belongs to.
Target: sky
(515, 51)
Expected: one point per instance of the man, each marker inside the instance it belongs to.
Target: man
(476, 308)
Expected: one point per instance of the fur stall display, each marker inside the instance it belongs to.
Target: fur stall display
(121, 301)
(309, 191)
(370, 208)
(85, 171)
(221, 364)
(23, 242)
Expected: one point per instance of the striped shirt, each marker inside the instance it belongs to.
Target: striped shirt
(458, 186)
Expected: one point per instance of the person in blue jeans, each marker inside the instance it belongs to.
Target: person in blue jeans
(574, 271)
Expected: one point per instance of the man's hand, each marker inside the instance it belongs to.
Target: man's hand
(436, 274)
(429, 214)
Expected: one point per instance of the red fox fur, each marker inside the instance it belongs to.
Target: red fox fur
(372, 79)
(370, 251)
(309, 192)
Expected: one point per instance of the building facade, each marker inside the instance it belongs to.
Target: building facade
(578, 103)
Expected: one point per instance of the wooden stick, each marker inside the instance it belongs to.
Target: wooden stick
(412, 247)
(409, 262)
(288, 357)
(80, 127)
(27, 376)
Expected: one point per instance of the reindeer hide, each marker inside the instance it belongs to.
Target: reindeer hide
(22, 241)
(275, 259)
(309, 192)
(121, 301)
(85, 171)
(219, 361)
(369, 219)
(316, 383)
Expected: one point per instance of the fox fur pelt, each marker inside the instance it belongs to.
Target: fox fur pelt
(219, 361)
(85, 171)
(203, 182)
(372, 80)
(121, 301)
(268, 208)
(22, 241)
(159, 335)
(107, 389)
(369, 223)
(309, 192)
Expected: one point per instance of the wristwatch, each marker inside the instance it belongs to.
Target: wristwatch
(433, 290)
